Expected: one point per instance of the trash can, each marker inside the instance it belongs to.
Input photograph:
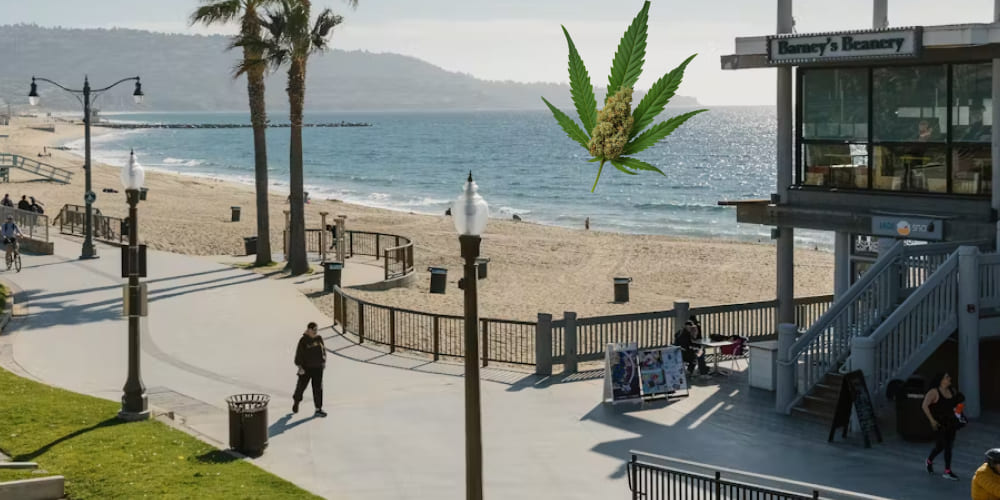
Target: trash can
(236, 214)
(621, 289)
(124, 228)
(439, 277)
(481, 267)
(250, 245)
(911, 423)
(331, 275)
(248, 423)
(142, 193)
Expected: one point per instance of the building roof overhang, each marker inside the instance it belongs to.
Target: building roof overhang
(751, 51)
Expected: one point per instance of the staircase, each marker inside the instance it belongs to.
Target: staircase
(886, 324)
(8, 161)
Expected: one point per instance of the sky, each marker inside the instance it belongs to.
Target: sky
(520, 40)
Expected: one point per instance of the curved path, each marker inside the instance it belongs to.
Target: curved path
(395, 425)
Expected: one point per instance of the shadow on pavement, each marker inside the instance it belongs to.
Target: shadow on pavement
(29, 457)
(282, 424)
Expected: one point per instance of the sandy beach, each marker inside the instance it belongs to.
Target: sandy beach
(533, 268)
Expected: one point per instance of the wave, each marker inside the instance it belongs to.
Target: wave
(512, 211)
(684, 207)
(182, 162)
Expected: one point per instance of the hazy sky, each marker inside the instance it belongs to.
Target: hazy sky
(521, 40)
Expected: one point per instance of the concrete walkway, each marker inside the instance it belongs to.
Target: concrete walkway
(395, 425)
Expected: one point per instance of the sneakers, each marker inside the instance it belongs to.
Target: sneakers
(949, 475)
(295, 407)
(320, 412)
(930, 467)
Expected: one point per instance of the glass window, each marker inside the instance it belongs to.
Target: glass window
(910, 103)
(912, 167)
(972, 105)
(835, 104)
(971, 169)
(836, 165)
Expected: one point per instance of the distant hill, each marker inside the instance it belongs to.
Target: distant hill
(193, 72)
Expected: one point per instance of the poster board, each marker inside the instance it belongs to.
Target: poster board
(854, 393)
(634, 375)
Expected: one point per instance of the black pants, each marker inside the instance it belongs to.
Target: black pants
(315, 375)
(944, 440)
(690, 357)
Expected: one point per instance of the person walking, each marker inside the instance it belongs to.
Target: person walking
(986, 482)
(23, 204)
(939, 407)
(310, 358)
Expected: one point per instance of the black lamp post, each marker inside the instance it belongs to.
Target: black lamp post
(470, 213)
(86, 96)
(134, 403)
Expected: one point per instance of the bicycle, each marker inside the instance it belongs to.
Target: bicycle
(13, 257)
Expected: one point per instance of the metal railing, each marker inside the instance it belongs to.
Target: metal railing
(398, 261)
(33, 225)
(929, 313)
(504, 341)
(396, 250)
(656, 477)
(107, 229)
(35, 167)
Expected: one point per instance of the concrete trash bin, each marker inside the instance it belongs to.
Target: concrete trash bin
(331, 275)
(439, 279)
(236, 214)
(481, 267)
(248, 423)
(621, 289)
(250, 245)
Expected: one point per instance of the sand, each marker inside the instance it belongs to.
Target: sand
(533, 268)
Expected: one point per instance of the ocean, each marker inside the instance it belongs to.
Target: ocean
(522, 161)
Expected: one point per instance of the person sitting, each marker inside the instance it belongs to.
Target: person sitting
(986, 482)
(24, 204)
(689, 352)
(10, 233)
(7, 202)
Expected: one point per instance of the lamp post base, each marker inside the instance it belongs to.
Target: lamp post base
(131, 416)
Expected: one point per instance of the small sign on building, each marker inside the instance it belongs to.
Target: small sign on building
(913, 228)
(821, 47)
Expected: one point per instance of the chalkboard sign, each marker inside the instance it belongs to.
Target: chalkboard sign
(854, 392)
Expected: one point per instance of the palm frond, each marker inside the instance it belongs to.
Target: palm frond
(323, 29)
(217, 12)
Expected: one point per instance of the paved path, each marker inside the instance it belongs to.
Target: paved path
(395, 429)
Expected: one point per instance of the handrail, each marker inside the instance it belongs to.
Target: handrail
(989, 280)
(936, 300)
(27, 221)
(71, 221)
(36, 167)
(402, 254)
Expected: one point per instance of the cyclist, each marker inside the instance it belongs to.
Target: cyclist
(986, 482)
(10, 233)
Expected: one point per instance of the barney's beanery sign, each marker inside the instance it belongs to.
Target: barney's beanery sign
(797, 49)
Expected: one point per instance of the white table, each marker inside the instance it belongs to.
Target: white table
(716, 346)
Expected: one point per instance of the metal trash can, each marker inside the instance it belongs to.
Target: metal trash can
(142, 193)
(481, 267)
(621, 289)
(250, 245)
(331, 275)
(439, 279)
(248, 423)
(911, 423)
(236, 214)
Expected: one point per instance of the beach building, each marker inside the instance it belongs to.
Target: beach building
(886, 137)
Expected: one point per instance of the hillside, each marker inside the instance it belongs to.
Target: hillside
(193, 72)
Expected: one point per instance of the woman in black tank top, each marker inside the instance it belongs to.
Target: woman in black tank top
(939, 407)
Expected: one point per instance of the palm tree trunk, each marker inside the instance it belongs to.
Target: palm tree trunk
(258, 118)
(297, 262)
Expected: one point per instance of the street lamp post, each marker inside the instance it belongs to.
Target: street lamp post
(86, 96)
(469, 213)
(134, 403)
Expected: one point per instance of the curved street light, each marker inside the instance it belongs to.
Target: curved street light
(86, 96)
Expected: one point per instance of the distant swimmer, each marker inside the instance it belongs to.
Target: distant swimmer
(448, 212)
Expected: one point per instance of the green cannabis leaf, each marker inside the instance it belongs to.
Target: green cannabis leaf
(616, 130)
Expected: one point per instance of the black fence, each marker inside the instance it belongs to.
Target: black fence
(655, 482)
(107, 229)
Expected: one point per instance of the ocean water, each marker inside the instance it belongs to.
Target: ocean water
(523, 162)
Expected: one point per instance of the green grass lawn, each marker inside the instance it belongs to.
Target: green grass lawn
(78, 437)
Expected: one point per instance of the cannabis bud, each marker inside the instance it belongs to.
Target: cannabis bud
(614, 123)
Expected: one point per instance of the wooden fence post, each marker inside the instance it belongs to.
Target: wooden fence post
(288, 221)
(361, 322)
(543, 345)
(337, 309)
(392, 330)
(322, 236)
(378, 239)
(485, 340)
(385, 265)
(437, 337)
(569, 340)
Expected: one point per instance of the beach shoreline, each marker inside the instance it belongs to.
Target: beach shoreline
(533, 267)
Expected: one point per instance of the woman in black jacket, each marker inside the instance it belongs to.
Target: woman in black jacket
(310, 358)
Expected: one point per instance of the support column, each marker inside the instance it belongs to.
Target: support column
(784, 385)
(841, 264)
(341, 237)
(968, 329)
(322, 236)
(785, 243)
(880, 14)
(543, 345)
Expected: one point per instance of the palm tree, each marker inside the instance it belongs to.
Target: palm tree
(249, 13)
(291, 39)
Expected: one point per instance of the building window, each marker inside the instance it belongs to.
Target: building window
(835, 104)
(836, 165)
(912, 167)
(910, 104)
(972, 103)
(971, 169)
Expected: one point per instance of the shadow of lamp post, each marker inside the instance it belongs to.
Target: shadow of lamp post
(469, 213)
(86, 97)
(135, 406)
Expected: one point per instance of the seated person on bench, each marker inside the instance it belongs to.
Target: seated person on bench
(691, 353)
